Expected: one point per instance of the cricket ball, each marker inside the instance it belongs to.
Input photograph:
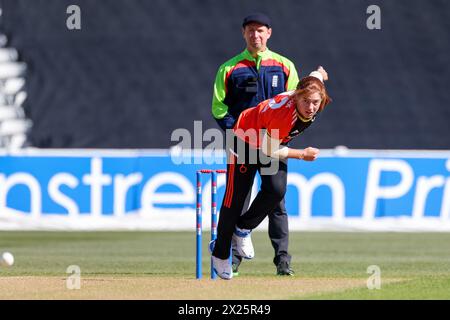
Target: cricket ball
(6, 259)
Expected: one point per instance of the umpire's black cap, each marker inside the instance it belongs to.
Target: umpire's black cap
(257, 17)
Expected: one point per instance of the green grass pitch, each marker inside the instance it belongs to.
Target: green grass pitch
(413, 265)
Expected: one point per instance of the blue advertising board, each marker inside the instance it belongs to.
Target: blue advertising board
(365, 186)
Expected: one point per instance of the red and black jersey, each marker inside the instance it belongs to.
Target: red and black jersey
(278, 116)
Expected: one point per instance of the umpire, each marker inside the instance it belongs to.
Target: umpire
(255, 75)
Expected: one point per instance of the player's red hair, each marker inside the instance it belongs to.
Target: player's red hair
(310, 85)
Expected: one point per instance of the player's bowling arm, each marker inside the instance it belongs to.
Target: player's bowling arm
(272, 148)
(320, 74)
(323, 72)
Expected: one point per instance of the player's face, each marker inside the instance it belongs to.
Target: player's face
(256, 36)
(308, 105)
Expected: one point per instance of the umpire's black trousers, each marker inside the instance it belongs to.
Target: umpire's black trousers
(241, 170)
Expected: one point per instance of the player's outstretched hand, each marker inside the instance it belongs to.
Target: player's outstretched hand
(310, 154)
(323, 72)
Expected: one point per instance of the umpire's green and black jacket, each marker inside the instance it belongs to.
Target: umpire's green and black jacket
(243, 82)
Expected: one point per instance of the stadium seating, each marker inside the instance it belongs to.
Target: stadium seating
(13, 123)
(8, 54)
(12, 86)
(7, 113)
(14, 130)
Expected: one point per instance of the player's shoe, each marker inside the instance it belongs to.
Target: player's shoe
(235, 259)
(222, 267)
(242, 243)
(283, 269)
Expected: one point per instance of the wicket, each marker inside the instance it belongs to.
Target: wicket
(213, 174)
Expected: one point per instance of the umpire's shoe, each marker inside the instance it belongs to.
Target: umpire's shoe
(283, 269)
(236, 262)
